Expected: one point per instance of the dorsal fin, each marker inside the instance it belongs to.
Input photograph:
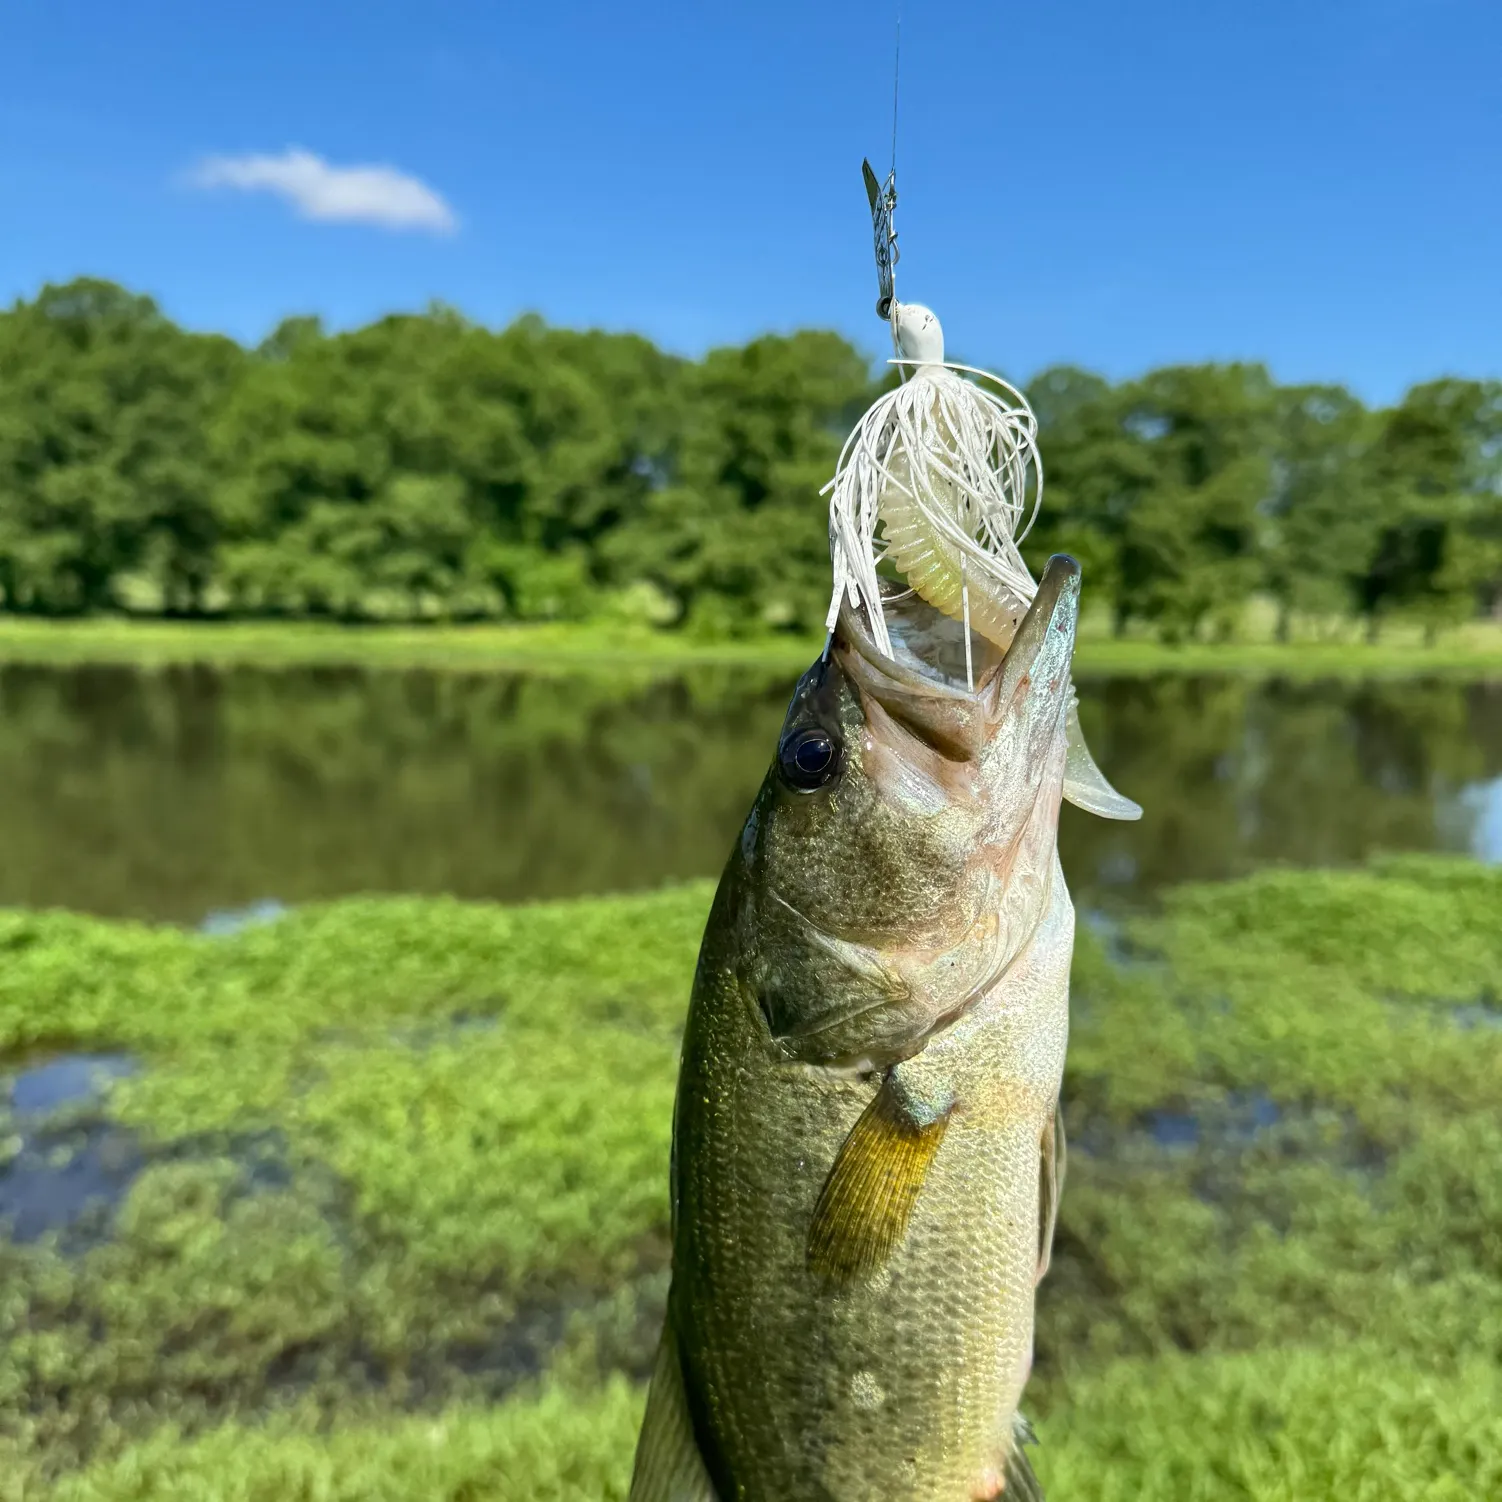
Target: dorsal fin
(1050, 1186)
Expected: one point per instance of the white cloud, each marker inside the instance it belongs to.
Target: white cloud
(318, 190)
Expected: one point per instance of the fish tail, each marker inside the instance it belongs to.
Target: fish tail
(669, 1467)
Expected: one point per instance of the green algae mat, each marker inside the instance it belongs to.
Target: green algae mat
(369, 1202)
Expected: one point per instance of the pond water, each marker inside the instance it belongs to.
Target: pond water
(58, 1173)
(213, 797)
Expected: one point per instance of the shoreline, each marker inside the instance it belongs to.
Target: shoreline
(1474, 652)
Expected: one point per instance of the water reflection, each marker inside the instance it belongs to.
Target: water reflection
(181, 793)
(1234, 775)
(223, 922)
(71, 1080)
(64, 1166)
(1484, 803)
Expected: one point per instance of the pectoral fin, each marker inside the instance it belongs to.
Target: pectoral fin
(669, 1467)
(868, 1198)
(1050, 1186)
(1085, 784)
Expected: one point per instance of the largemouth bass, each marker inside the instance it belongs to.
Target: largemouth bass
(867, 1149)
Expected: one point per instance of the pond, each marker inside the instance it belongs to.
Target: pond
(181, 794)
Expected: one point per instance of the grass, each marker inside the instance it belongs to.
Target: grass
(401, 1224)
(1469, 654)
(1278, 1426)
(1337, 652)
(541, 648)
(552, 1448)
(1286, 1427)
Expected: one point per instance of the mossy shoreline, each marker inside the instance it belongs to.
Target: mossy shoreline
(395, 1223)
(1473, 652)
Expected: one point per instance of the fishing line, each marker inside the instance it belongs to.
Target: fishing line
(896, 80)
(892, 176)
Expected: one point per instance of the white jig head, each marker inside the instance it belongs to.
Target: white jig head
(917, 334)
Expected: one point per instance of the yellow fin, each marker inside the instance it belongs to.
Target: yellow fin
(868, 1198)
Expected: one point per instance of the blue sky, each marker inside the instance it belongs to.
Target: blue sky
(1315, 184)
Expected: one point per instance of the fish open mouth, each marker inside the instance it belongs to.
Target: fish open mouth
(928, 646)
(923, 683)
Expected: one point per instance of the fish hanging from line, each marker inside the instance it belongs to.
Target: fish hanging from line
(867, 1145)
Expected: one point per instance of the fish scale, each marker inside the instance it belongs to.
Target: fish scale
(866, 1153)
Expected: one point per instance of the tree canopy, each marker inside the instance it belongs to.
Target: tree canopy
(428, 467)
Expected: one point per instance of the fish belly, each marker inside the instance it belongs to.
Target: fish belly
(897, 1388)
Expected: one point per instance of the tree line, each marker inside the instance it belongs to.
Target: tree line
(426, 467)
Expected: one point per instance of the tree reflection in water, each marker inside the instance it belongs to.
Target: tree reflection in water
(170, 794)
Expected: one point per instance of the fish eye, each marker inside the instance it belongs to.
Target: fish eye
(807, 759)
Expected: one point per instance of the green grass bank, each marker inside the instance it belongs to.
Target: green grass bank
(1472, 650)
(392, 1214)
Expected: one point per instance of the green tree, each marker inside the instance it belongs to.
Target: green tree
(1321, 521)
(738, 533)
(1435, 472)
(1092, 471)
(1190, 535)
(104, 469)
(428, 464)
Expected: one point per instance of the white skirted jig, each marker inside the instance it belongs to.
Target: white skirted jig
(947, 470)
(950, 475)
